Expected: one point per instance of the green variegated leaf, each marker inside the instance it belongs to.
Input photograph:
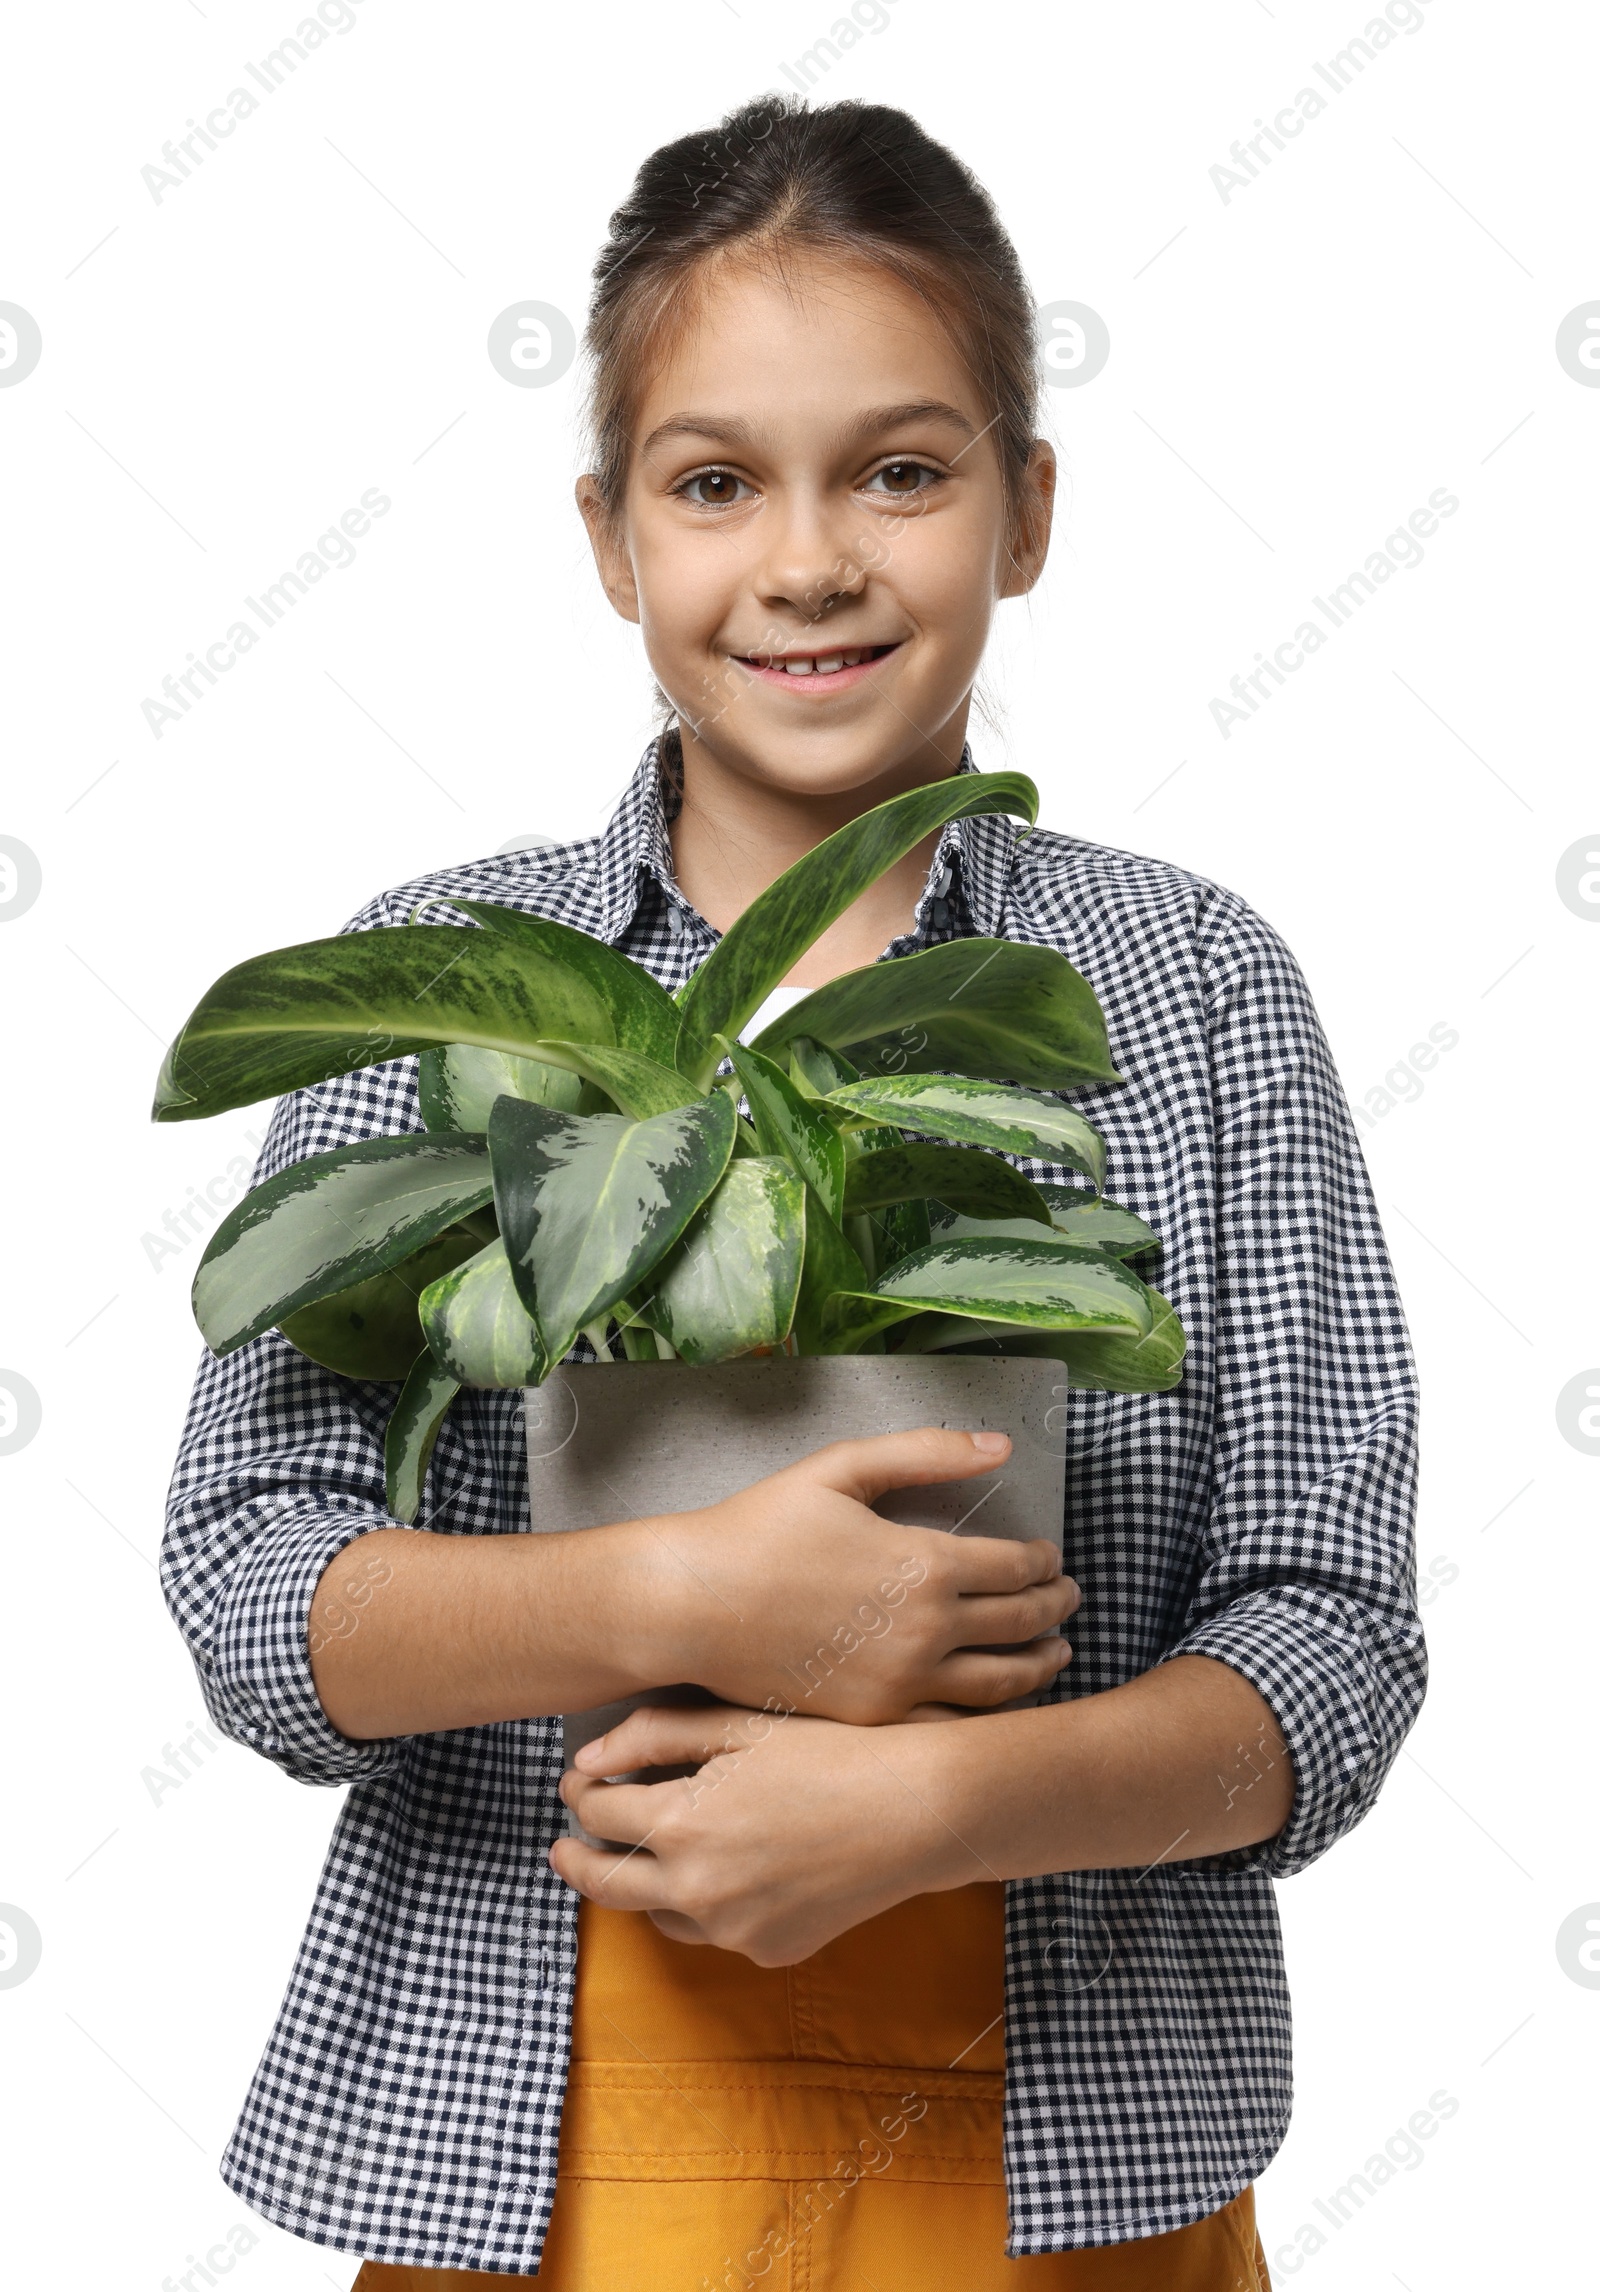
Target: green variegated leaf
(371, 1329)
(644, 1017)
(302, 1015)
(589, 1204)
(758, 951)
(1041, 1284)
(1011, 1120)
(1103, 1224)
(332, 1220)
(832, 1263)
(478, 1329)
(1114, 1228)
(1108, 1363)
(639, 1086)
(977, 1184)
(982, 1007)
(730, 1285)
(897, 1230)
(815, 1070)
(457, 1083)
(588, 1078)
(958, 1228)
(1102, 1361)
(790, 1124)
(419, 1412)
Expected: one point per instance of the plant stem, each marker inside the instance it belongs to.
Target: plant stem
(639, 1343)
(858, 1230)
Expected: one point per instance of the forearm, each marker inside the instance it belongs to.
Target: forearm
(412, 1633)
(1184, 1761)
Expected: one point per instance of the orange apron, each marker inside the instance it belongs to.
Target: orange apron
(833, 2126)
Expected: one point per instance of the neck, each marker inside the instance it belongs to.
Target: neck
(735, 835)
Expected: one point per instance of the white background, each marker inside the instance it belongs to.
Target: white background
(1292, 372)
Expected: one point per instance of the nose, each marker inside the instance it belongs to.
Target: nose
(806, 564)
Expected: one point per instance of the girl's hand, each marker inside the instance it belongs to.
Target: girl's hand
(794, 1592)
(792, 1832)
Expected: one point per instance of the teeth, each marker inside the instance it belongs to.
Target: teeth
(823, 664)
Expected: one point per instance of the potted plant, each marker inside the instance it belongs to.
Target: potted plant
(605, 1159)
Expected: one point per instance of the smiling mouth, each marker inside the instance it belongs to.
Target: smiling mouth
(818, 671)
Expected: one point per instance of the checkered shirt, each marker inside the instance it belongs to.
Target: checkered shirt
(408, 2104)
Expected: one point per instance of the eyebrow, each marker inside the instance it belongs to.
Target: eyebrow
(733, 430)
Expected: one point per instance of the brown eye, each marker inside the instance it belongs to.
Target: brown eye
(713, 489)
(904, 477)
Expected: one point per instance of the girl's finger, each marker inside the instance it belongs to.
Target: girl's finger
(997, 1564)
(619, 1881)
(981, 1681)
(678, 1926)
(622, 1811)
(867, 1468)
(983, 1621)
(667, 1734)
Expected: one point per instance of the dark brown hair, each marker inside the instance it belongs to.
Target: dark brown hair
(849, 179)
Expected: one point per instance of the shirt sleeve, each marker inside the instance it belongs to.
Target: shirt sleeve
(1307, 1585)
(280, 1469)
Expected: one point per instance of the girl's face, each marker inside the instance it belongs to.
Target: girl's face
(814, 533)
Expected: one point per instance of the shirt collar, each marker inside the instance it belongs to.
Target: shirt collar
(636, 843)
(987, 846)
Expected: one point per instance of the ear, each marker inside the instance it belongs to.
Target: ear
(612, 562)
(1030, 544)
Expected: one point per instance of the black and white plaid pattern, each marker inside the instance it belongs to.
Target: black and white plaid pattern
(408, 2103)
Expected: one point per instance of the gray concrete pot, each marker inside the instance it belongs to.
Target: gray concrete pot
(613, 1441)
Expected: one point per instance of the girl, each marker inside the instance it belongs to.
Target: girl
(902, 2004)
